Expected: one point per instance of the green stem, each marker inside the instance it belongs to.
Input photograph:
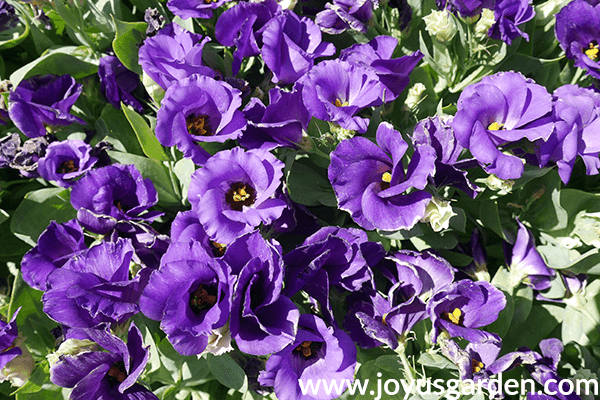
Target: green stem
(401, 351)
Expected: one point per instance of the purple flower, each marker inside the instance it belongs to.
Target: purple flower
(476, 361)
(43, 100)
(55, 246)
(242, 26)
(372, 186)
(199, 109)
(346, 14)
(337, 90)
(27, 156)
(281, 123)
(172, 55)
(318, 352)
(578, 31)
(509, 14)
(392, 72)
(462, 307)
(233, 193)
(262, 320)
(110, 374)
(525, 263)
(291, 45)
(149, 245)
(502, 109)
(8, 335)
(154, 20)
(66, 161)
(190, 294)
(8, 18)
(95, 287)
(117, 83)
(194, 9)
(576, 116)
(466, 8)
(9, 145)
(108, 195)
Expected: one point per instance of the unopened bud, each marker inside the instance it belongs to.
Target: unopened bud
(441, 24)
(438, 213)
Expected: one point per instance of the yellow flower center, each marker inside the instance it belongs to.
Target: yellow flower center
(454, 317)
(339, 103)
(218, 249)
(476, 366)
(66, 167)
(197, 125)
(592, 51)
(240, 195)
(495, 126)
(386, 178)
(308, 348)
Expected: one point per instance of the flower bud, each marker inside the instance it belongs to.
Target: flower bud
(438, 213)
(19, 369)
(72, 347)
(485, 22)
(441, 24)
(415, 94)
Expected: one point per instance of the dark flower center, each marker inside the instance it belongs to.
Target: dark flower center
(209, 1)
(339, 103)
(592, 50)
(455, 317)
(308, 349)
(117, 203)
(386, 178)
(240, 195)
(203, 298)
(66, 167)
(218, 249)
(116, 373)
(476, 366)
(197, 125)
(495, 126)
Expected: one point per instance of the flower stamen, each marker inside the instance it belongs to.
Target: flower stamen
(197, 125)
(67, 167)
(203, 298)
(308, 349)
(240, 195)
(339, 103)
(455, 317)
(495, 126)
(592, 51)
(476, 366)
(386, 178)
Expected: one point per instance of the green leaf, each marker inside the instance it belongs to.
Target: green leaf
(523, 303)
(436, 361)
(77, 61)
(14, 36)
(37, 210)
(226, 371)
(153, 170)
(39, 376)
(309, 187)
(150, 144)
(502, 324)
(542, 320)
(488, 214)
(114, 124)
(126, 44)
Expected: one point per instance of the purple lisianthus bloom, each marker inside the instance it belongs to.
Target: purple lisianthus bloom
(262, 320)
(466, 8)
(8, 335)
(525, 262)
(371, 185)
(108, 195)
(281, 123)
(233, 193)
(110, 374)
(318, 352)
(9, 145)
(117, 83)
(43, 100)
(55, 246)
(462, 307)
(149, 245)
(95, 287)
(199, 109)
(194, 9)
(337, 90)
(291, 45)
(190, 294)
(578, 32)
(242, 26)
(186, 227)
(502, 109)
(509, 14)
(448, 169)
(172, 55)
(475, 360)
(576, 115)
(411, 278)
(66, 161)
(8, 18)
(27, 156)
(346, 14)
(392, 72)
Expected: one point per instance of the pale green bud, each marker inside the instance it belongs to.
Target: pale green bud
(496, 184)
(219, 342)
(441, 25)
(485, 22)
(72, 347)
(19, 369)
(415, 94)
(438, 213)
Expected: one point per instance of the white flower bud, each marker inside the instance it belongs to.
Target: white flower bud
(485, 22)
(438, 213)
(19, 369)
(72, 347)
(441, 24)
(288, 4)
(415, 94)
(496, 184)
(219, 342)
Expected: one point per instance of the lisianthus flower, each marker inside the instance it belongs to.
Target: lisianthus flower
(27, 156)
(190, 294)
(199, 109)
(262, 320)
(149, 245)
(509, 14)
(233, 193)
(578, 32)
(8, 334)
(66, 161)
(55, 246)
(172, 55)
(474, 361)
(465, 8)
(337, 90)
(16, 362)
(186, 227)
(525, 262)
(110, 194)
(117, 83)
(462, 307)
(500, 110)
(291, 45)
(372, 186)
(194, 9)
(95, 287)
(43, 100)
(110, 374)
(342, 15)
(9, 145)
(318, 352)
(393, 73)
(242, 26)
(281, 123)
(576, 116)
